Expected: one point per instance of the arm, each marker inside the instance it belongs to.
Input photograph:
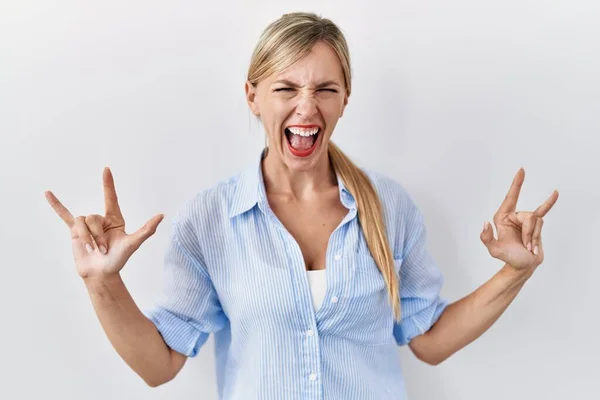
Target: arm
(468, 318)
(133, 336)
(99, 262)
(519, 246)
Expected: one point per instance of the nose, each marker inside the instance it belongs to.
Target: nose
(306, 107)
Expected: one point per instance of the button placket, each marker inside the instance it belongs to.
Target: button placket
(334, 299)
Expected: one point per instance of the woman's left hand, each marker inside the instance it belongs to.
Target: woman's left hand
(519, 242)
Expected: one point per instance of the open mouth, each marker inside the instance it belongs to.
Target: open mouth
(301, 141)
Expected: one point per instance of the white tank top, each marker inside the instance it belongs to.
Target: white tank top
(316, 281)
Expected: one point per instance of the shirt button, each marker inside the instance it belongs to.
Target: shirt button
(313, 377)
(338, 257)
(310, 332)
(334, 299)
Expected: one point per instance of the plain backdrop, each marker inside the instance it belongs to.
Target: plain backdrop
(450, 99)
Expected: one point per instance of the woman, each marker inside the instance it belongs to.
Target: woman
(308, 270)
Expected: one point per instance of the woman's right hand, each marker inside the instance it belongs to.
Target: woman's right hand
(101, 247)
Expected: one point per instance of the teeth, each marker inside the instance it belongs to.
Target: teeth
(304, 132)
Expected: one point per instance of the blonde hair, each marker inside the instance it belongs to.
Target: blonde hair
(286, 41)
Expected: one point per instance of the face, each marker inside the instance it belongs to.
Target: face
(300, 106)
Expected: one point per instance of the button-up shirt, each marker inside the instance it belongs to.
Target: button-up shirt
(233, 270)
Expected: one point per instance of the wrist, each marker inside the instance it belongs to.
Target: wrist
(107, 280)
(517, 275)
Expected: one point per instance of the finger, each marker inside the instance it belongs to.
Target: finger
(487, 237)
(537, 235)
(540, 254)
(542, 210)
(510, 201)
(61, 210)
(83, 234)
(518, 217)
(136, 239)
(95, 224)
(111, 202)
(527, 231)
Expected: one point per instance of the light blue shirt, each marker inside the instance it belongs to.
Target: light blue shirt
(232, 269)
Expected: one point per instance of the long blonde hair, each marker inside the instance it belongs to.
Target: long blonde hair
(286, 41)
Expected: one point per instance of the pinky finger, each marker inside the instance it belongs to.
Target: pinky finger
(60, 209)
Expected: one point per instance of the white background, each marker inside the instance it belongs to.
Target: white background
(450, 99)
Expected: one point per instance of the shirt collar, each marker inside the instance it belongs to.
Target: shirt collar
(250, 190)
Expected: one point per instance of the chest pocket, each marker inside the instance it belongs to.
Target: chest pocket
(369, 318)
(369, 283)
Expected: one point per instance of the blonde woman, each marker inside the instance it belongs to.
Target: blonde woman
(308, 270)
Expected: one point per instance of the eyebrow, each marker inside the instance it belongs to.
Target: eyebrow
(295, 85)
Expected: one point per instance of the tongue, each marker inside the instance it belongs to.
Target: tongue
(301, 142)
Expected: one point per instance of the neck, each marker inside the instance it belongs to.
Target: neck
(281, 180)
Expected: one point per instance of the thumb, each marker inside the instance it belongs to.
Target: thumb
(138, 237)
(487, 236)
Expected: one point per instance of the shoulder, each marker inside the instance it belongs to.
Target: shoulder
(400, 213)
(392, 193)
(208, 207)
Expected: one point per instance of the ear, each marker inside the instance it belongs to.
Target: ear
(251, 98)
(346, 95)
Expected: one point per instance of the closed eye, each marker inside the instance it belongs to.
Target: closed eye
(320, 90)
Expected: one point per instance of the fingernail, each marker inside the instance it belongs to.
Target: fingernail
(529, 246)
(536, 250)
(89, 248)
(102, 249)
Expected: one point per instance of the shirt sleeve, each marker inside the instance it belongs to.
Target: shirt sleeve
(189, 309)
(420, 283)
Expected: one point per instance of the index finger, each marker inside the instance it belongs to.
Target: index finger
(547, 206)
(61, 210)
(111, 202)
(510, 201)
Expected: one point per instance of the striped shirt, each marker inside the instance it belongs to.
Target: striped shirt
(232, 269)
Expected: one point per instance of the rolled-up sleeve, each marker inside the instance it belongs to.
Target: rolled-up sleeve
(420, 283)
(189, 308)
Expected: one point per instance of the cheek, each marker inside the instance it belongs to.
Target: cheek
(331, 112)
(276, 109)
(280, 112)
(273, 116)
(282, 108)
(331, 105)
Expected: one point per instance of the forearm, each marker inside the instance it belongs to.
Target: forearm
(132, 334)
(468, 318)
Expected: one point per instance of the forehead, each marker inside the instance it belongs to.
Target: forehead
(320, 64)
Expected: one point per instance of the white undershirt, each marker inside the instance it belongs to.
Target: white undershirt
(316, 281)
